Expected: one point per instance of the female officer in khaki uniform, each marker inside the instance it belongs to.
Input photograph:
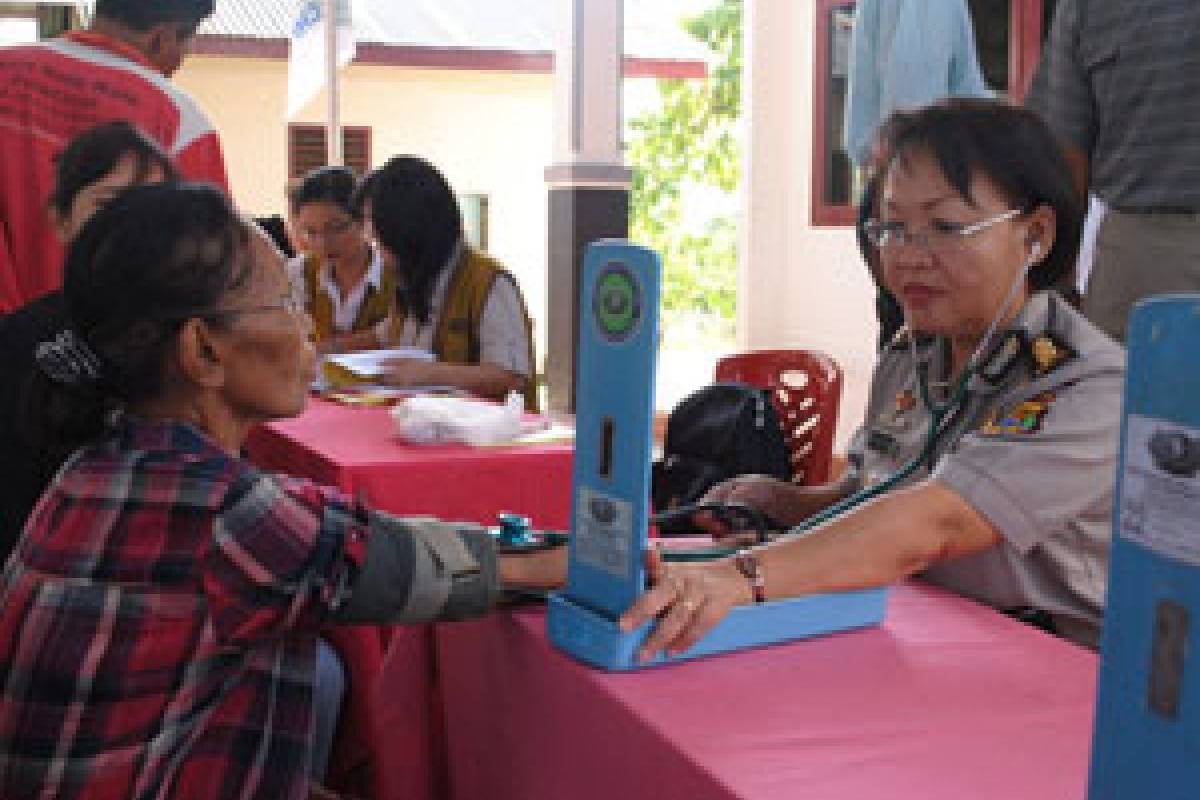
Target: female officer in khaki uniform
(1010, 501)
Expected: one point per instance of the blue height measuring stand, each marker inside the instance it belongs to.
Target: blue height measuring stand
(618, 342)
(1147, 741)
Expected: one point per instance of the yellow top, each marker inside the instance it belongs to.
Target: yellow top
(456, 337)
(376, 303)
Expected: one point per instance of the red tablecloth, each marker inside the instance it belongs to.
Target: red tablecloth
(947, 700)
(389, 747)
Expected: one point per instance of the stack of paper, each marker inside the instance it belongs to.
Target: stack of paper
(363, 368)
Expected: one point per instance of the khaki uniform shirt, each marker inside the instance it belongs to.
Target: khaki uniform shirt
(1033, 449)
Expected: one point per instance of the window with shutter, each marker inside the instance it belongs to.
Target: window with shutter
(307, 149)
(356, 147)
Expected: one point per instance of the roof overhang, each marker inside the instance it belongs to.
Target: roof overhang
(7, 6)
(464, 58)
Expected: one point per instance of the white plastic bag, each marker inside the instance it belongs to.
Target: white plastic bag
(427, 419)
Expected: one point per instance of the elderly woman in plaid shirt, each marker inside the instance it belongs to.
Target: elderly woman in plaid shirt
(158, 620)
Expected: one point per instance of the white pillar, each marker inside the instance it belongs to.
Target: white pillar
(799, 286)
(333, 120)
(774, 161)
(587, 179)
(587, 94)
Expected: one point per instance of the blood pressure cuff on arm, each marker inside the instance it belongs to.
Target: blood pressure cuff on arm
(423, 570)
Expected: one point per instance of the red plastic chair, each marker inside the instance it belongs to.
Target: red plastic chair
(807, 388)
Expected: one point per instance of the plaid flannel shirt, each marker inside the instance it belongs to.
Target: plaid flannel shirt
(158, 620)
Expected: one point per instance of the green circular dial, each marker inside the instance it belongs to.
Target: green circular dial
(617, 302)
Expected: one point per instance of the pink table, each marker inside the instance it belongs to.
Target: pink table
(356, 450)
(948, 700)
(389, 744)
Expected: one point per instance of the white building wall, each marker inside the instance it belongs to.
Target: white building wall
(489, 133)
(798, 286)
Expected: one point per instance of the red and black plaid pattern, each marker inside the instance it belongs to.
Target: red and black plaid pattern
(158, 624)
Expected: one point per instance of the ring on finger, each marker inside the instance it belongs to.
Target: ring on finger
(689, 605)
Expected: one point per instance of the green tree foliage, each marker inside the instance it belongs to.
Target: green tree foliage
(690, 145)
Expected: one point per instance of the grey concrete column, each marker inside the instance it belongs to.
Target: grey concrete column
(587, 179)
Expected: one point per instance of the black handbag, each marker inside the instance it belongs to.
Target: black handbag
(716, 433)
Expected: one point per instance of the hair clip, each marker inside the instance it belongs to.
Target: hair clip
(67, 359)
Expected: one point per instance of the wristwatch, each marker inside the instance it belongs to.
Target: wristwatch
(748, 564)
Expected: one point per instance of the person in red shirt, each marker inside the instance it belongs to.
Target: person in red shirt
(51, 91)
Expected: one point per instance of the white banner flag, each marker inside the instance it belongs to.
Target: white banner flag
(306, 64)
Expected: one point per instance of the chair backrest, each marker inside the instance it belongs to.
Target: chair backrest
(807, 388)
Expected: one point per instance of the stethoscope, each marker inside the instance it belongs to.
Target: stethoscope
(514, 534)
(766, 528)
(940, 415)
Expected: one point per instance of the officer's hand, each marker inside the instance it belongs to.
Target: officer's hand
(687, 600)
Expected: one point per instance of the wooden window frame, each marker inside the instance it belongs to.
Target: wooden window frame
(49, 19)
(1025, 26)
(347, 131)
(1024, 48)
(56, 19)
(824, 214)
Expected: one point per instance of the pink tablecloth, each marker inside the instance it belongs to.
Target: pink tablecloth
(389, 746)
(946, 701)
(356, 450)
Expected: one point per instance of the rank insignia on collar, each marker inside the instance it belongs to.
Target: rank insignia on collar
(905, 402)
(1049, 354)
(1025, 418)
(1002, 357)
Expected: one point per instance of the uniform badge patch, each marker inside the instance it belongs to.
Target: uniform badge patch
(1025, 418)
(1049, 354)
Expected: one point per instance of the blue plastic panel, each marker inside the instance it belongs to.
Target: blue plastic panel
(618, 344)
(1147, 739)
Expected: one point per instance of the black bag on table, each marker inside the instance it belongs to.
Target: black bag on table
(716, 433)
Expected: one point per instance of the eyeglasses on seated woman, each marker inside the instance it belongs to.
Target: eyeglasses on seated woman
(347, 288)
